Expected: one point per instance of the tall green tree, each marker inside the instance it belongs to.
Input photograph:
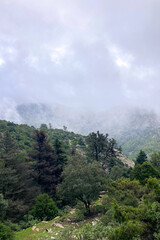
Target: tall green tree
(97, 144)
(3, 207)
(16, 182)
(155, 160)
(141, 158)
(45, 163)
(81, 181)
(102, 149)
(61, 158)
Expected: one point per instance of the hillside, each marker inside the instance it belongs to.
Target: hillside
(113, 217)
(61, 185)
(133, 128)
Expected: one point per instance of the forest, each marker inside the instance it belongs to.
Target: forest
(55, 184)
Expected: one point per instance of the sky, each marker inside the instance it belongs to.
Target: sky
(80, 53)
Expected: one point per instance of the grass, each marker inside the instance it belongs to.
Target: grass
(42, 234)
(65, 221)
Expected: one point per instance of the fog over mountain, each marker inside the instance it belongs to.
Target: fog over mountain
(134, 128)
(114, 121)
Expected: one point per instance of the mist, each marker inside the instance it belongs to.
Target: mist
(86, 56)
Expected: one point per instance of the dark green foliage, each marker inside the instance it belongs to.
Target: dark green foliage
(45, 163)
(118, 172)
(155, 160)
(133, 187)
(127, 231)
(102, 149)
(44, 208)
(153, 185)
(61, 159)
(5, 232)
(81, 181)
(97, 145)
(141, 158)
(16, 182)
(144, 171)
(3, 207)
(151, 218)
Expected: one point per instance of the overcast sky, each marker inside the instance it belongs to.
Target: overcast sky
(98, 53)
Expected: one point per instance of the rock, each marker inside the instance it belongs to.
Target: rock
(72, 211)
(58, 225)
(103, 192)
(33, 228)
(94, 223)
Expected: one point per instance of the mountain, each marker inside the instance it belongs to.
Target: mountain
(133, 128)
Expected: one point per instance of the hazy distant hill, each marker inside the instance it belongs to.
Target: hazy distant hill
(133, 128)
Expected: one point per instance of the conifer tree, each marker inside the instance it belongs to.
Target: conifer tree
(102, 149)
(141, 158)
(60, 158)
(16, 183)
(45, 163)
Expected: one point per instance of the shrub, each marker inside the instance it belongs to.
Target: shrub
(5, 232)
(89, 232)
(127, 231)
(108, 218)
(45, 208)
(144, 171)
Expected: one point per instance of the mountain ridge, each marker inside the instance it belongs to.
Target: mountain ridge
(133, 128)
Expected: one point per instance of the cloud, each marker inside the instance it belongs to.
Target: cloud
(80, 53)
(2, 62)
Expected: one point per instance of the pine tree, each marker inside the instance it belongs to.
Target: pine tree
(45, 163)
(60, 158)
(97, 143)
(102, 149)
(16, 183)
(141, 158)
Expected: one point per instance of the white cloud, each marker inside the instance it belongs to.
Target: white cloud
(33, 61)
(59, 46)
(121, 58)
(122, 63)
(58, 54)
(2, 62)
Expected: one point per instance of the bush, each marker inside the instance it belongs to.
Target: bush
(64, 210)
(127, 231)
(80, 212)
(27, 221)
(98, 209)
(144, 171)
(45, 208)
(108, 218)
(89, 232)
(5, 232)
(79, 216)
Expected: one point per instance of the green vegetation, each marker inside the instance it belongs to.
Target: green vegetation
(148, 140)
(5, 232)
(81, 181)
(141, 158)
(49, 172)
(44, 208)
